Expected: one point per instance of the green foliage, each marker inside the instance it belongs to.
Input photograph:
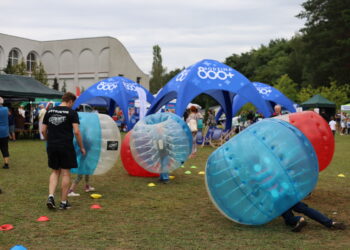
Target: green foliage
(64, 87)
(168, 76)
(205, 101)
(17, 69)
(265, 64)
(157, 81)
(55, 84)
(39, 74)
(327, 41)
(287, 87)
(339, 94)
(306, 93)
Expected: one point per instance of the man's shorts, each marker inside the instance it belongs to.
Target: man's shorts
(61, 158)
(4, 146)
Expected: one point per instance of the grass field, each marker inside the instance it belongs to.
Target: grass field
(174, 216)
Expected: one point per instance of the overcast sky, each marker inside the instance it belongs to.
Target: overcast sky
(186, 30)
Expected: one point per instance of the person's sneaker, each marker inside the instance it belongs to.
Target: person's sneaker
(89, 188)
(166, 181)
(338, 225)
(301, 223)
(6, 166)
(72, 194)
(50, 203)
(64, 206)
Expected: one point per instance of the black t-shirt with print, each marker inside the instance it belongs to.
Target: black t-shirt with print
(59, 121)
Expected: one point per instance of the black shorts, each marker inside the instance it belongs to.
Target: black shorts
(62, 158)
(4, 146)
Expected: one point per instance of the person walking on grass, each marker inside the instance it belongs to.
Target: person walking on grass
(4, 133)
(192, 121)
(88, 187)
(60, 124)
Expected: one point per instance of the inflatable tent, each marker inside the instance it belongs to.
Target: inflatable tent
(271, 95)
(117, 91)
(213, 78)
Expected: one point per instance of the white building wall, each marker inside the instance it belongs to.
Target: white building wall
(77, 62)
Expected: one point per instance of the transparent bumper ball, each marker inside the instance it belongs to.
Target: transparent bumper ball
(262, 172)
(161, 143)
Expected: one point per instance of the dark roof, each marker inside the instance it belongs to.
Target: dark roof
(318, 101)
(26, 87)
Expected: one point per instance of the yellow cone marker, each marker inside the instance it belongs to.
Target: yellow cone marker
(96, 196)
(193, 167)
(188, 172)
(201, 172)
(151, 184)
(171, 177)
(182, 166)
(341, 175)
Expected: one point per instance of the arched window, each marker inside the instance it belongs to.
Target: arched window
(13, 57)
(31, 61)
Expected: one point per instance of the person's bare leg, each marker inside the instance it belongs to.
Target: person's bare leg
(65, 183)
(72, 187)
(6, 160)
(55, 175)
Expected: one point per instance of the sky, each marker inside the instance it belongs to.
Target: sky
(187, 31)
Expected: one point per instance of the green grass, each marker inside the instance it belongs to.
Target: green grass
(175, 216)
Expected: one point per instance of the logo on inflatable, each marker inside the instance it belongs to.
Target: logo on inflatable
(180, 77)
(214, 73)
(129, 86)
(264, 90)
(107, 86)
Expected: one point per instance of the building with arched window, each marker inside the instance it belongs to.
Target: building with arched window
(76, 62)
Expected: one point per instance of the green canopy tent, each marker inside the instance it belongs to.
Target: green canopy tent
(25, 88)
(324, 105)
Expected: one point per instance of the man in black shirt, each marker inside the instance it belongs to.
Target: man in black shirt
(60, 125)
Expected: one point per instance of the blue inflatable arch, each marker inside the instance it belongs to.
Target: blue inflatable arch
(214, 79)
(115, 91)
(271, 96)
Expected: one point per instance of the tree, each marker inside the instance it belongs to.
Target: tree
(158, 71)
(64, 87)
(265, 64)
(55, 84)
(168, 76)
(39, 73)
(286, 86)
(17, 69)
(9, 68)
(339, 94)
(327, 41)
